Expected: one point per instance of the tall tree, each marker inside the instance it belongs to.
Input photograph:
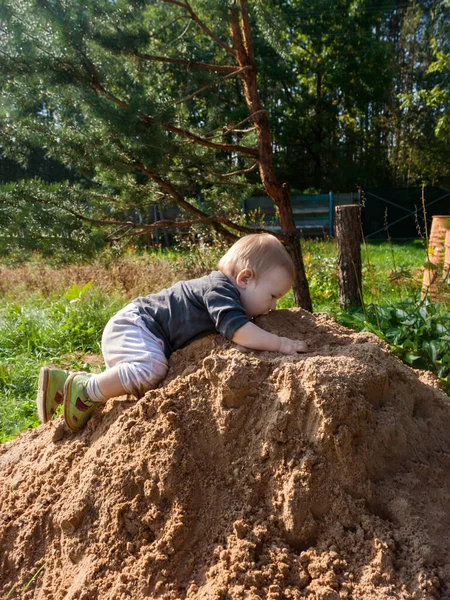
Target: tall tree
(358, 91)
(134, 97)
(423, 98)
(333, 72)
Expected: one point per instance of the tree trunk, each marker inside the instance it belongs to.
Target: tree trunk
(300, 288)
(348, 237)
(278, 191)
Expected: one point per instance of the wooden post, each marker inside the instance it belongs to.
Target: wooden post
(348, 238)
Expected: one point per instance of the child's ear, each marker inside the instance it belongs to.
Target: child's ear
(244, 277)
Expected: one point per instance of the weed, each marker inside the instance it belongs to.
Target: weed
(27, 585)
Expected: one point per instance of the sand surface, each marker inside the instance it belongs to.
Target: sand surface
(245, 475)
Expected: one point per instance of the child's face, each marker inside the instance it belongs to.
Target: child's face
(260, 296)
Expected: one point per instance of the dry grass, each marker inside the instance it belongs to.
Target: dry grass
(127, 277)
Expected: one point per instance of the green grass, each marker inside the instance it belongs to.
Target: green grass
(58, 331)
(64, 328)
(391, 272)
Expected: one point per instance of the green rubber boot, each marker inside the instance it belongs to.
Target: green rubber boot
(78, 408)
(50, 392)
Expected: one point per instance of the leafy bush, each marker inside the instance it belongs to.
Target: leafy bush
(417, 332)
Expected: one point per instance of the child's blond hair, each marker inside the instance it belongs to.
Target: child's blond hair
(258, 252)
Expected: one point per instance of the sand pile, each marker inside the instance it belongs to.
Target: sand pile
(246, 475)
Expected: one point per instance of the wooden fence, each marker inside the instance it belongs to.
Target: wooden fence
(313, 215)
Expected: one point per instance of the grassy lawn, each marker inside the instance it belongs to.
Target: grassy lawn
(56, 315)
(391, 272)
(61, 331)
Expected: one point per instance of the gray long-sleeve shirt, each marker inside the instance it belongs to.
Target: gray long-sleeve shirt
(192, 309)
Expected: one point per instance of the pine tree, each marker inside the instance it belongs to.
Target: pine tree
(148, 102)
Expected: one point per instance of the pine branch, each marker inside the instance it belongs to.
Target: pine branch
(252, 168)
(97, 86)
(244, 131)
(169, 189)
(231, 183)
(202, 25)
(205, 87)
(229, 128)
(175, 3)
(247, 119)
(129, 224)
(155, 34)
(83, 217)
(178, 36)
(188, 63)
(139, 229)
(174, 224)
(216, 222)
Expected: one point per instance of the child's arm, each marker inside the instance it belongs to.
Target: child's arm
(253, 337)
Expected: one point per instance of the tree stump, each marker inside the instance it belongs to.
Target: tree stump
(348, 238)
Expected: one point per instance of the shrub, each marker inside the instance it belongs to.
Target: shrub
(417, 332)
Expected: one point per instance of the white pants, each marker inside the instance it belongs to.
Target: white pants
(136, 352)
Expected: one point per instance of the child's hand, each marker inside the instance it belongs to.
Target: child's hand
(288, 346)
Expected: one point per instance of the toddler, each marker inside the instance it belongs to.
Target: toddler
(137, 341)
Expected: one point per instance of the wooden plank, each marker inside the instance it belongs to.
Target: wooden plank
(311, 211)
